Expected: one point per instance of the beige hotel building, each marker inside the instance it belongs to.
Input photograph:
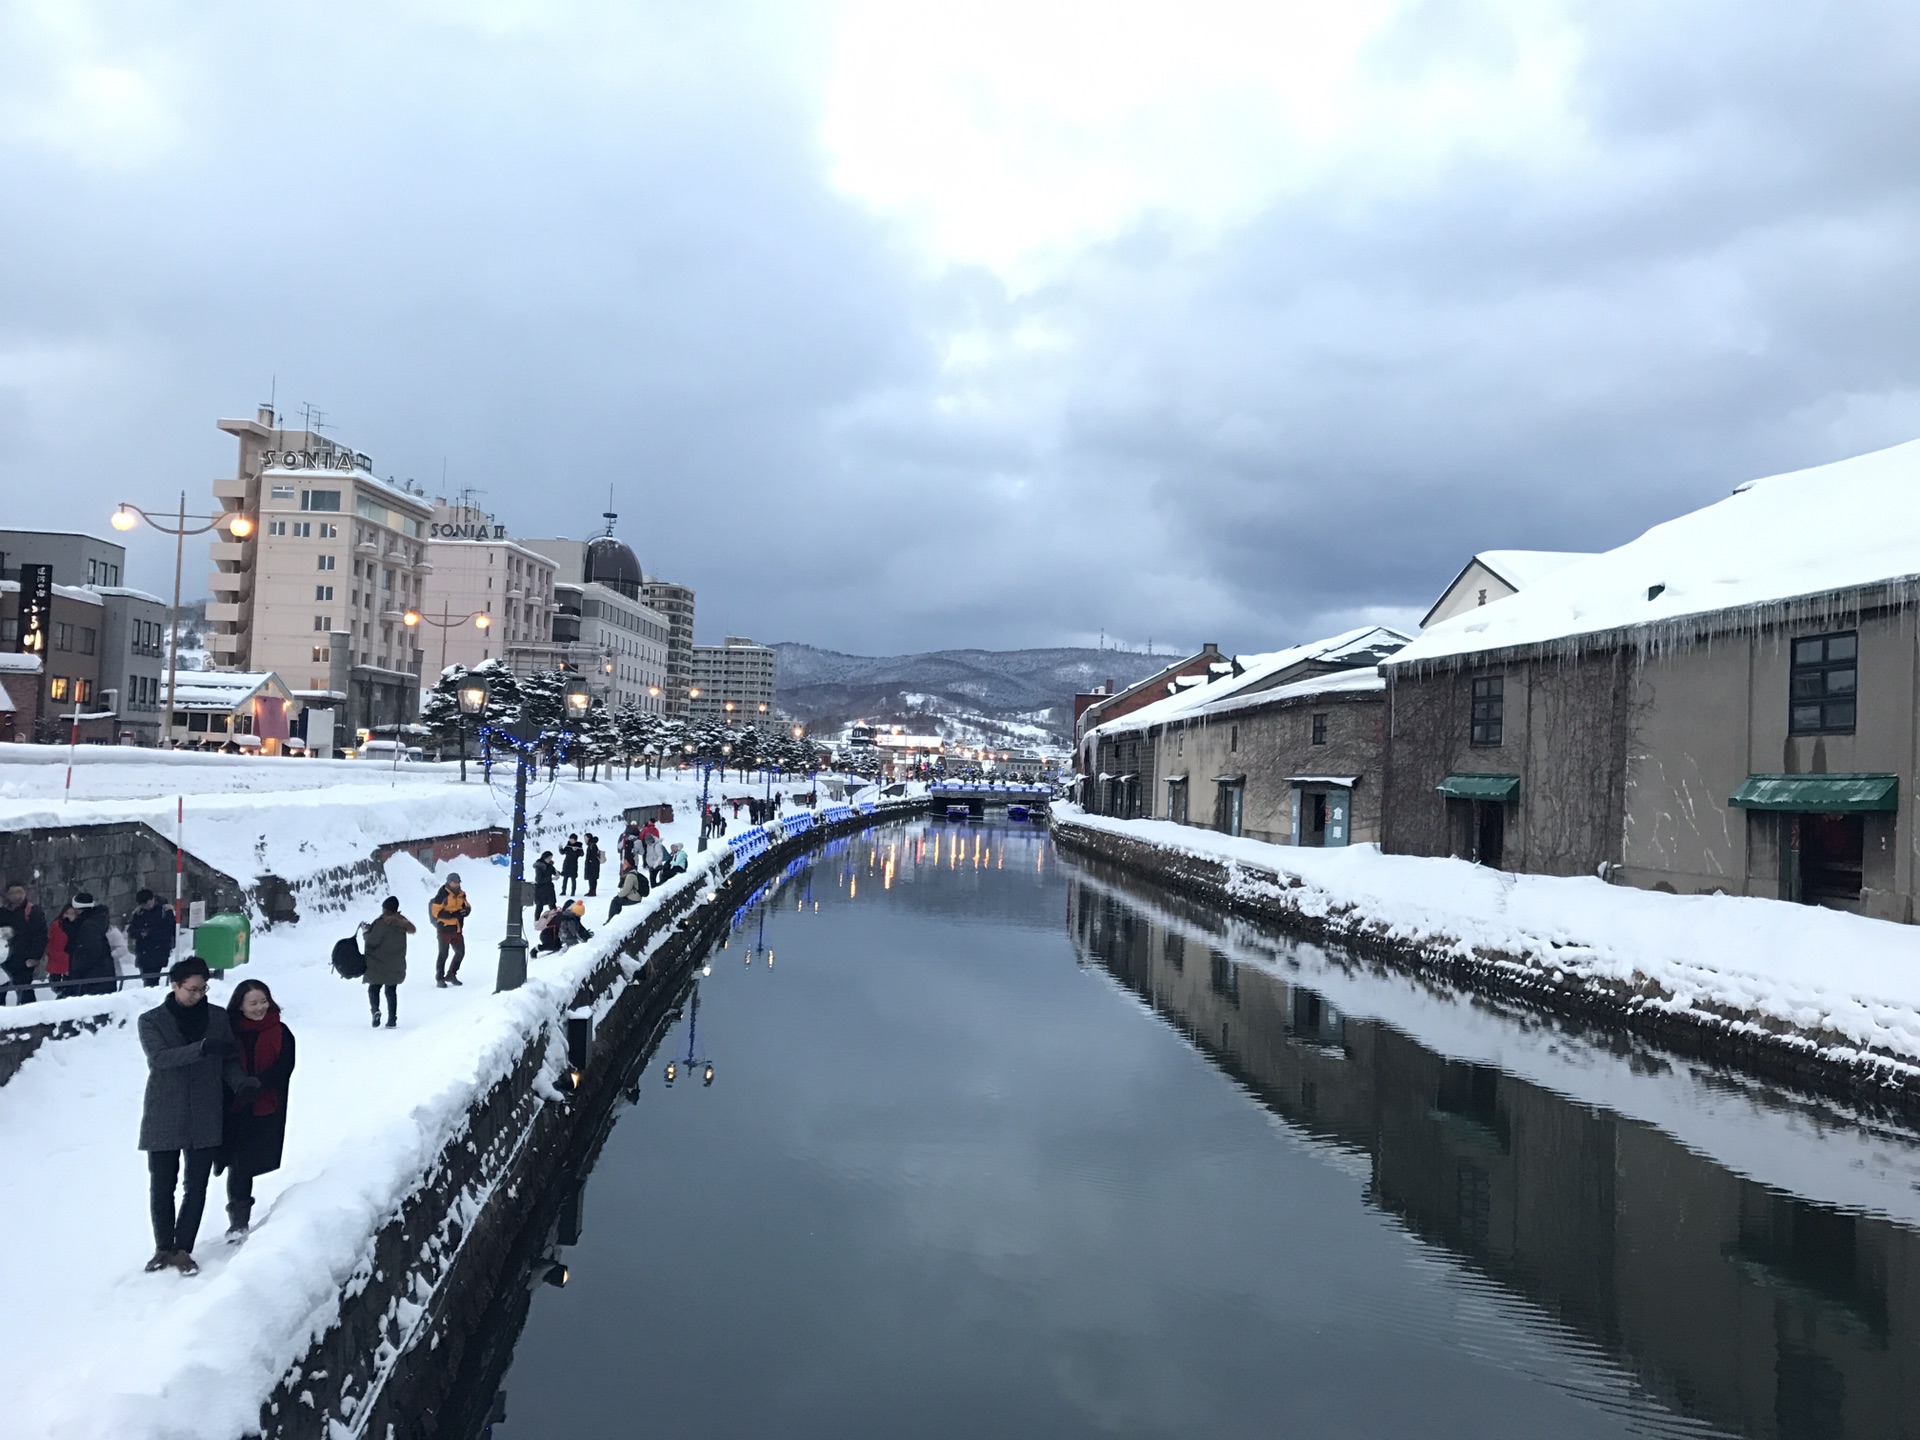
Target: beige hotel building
(318, 592)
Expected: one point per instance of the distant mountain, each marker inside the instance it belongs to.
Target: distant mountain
(1012, 697)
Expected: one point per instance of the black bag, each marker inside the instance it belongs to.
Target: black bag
(347, 958)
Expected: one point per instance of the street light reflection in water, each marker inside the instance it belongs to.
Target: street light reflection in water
(1061, 1154)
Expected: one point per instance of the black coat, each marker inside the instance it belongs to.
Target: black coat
(570, 859)
(252, 1143)
(593, 861)
(89, 956)
(544, 897)
(29, 926)
(151, 934)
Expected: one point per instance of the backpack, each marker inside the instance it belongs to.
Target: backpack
(347, 959)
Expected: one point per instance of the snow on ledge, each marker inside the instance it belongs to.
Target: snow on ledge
(1848, 986)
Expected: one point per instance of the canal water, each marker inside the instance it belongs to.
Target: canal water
(997, 1142)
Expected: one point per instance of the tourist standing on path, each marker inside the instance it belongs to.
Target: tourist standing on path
(633, 889)
(386, 950)
(544, 896)
(256, 1127)
(192, 1061)
(26, 927)
(654, 855)
(448, 910)
(151, 930)
(570, 866)
(89, 952)
(591, 863)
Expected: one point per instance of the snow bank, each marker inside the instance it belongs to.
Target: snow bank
(1848, 987)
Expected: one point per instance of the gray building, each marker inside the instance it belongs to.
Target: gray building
(109, 657)
(675, 602)
(1726, 704)
(1283, 747)
(734, 682)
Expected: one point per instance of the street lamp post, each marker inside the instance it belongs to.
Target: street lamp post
(237, 524)
(512, 971)
(480, 618)
(473, 701)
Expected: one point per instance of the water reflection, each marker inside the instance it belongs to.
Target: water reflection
(1743, 1306)
(968, 1169)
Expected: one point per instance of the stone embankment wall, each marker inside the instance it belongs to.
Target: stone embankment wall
(1877, 1083)
(112, 861)
(398, 1350)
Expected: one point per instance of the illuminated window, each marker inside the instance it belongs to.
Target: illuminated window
(59, 688)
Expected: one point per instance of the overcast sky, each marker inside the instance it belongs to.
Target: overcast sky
(902, 326)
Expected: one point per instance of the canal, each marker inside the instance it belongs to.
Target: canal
(998, 1142)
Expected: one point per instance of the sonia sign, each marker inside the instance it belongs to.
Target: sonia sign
(316, 460)
(467, 531)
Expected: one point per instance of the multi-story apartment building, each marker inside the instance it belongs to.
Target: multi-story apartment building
(734, 682)
(601, 625)
(676, 603)
(113, 656)
(319, 592)
(479, 573)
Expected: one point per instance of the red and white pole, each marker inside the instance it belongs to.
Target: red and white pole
(73, 741)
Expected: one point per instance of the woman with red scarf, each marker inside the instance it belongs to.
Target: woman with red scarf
(256, 1122)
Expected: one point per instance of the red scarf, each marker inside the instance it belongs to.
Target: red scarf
(267, 1034)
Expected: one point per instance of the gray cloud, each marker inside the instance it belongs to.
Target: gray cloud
(604, 251)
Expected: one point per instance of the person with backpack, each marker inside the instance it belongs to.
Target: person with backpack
(544, 896)
(448, 910)
(590, 862)
(26, 926)
(152, 930)
(563, 926)
(256, 1125)
(192, 1062)
(386, 952)
(633, 889)
(570, 866)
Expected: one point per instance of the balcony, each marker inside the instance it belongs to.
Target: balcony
(229, 552)
(229, 582)
(223, 644)
(223, 613)
(231, 489)
(367, 547)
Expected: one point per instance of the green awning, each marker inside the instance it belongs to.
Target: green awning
(1819, 794)
(1480, 787)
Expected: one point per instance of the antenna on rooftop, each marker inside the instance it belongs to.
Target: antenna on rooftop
(608, 514)
(312, 417)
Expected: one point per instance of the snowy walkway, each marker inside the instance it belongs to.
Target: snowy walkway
(90, 1346)
(1848, 985)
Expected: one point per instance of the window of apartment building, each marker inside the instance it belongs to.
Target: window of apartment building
(1320, 729)
(321, 652)
(276, 527)
(59, 688)
(82, 691)
(319, 499)
(323, 623)
(87, 638)
(324, 562)
(1826, 679)
(323, 592)
(62, 636)
(1489, 704)
(329, 530)
(283, 492)
(303, 529)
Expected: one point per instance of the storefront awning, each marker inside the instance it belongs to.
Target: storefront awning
(1819, 794)
(1345, 782)
(1479, 787)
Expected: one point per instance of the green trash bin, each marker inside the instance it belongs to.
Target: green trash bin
(222, 941)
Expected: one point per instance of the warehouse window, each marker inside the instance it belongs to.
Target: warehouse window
(1489, 706)
(1320, 729)
(1825, 680)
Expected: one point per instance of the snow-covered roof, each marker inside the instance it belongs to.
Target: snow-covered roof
(1788, 537)
(84, 594)
(1520, 568)
(1348, 647)
(126, 590)
(221, 689)
(22, 664)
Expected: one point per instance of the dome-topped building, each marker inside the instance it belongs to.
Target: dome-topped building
(611, 562)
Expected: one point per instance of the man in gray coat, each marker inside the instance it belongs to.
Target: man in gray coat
(192, 1061)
